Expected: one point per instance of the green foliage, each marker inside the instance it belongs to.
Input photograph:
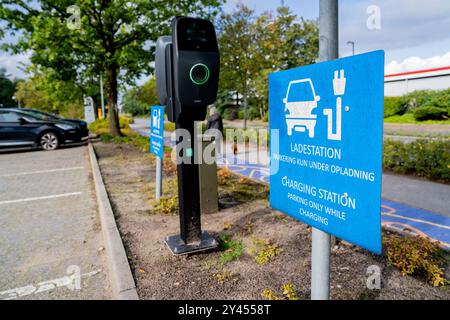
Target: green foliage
(101, 126)
(422, 106)
(416, 256)
(110, 37)
(7, 89)
(44, 91)
(232, 248)
(254, 46)
(430, 113)
(425, 158)
(169, 126)
(427, 98)
(393, 106)
(138, 100)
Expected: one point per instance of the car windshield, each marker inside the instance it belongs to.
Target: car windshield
(300, 92)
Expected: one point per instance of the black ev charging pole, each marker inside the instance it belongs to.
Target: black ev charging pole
(187, 77)
(188, 188)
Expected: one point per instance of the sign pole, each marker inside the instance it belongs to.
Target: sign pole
(321, 241)
(158, 178)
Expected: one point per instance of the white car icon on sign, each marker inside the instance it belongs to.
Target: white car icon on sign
(300, 101)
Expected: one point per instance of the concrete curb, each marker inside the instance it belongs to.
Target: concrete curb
(123, 285)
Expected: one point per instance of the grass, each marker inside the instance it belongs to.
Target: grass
(232, 248)
(409, 118)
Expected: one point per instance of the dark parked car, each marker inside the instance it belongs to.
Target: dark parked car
(22, 128)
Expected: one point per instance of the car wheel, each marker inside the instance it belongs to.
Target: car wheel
(49, 141)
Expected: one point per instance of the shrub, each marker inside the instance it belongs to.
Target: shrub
(230, 114)
(101, 126)
(169, 126)
(425, 158)
(430, 113)
(416, 256)
(417, 99)
(393, 106)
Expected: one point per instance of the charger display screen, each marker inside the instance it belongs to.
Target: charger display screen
(196, 35)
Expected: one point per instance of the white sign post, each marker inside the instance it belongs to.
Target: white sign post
(89, 112)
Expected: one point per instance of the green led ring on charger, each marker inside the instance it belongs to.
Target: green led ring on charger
(206, 76)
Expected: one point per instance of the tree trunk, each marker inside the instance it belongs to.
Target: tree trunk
(245, 102)
(113, 112)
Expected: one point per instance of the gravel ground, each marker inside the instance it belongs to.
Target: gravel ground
(129, 177)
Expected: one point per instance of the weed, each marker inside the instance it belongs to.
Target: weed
(289, 293)
(166, 205)
(225, 276)
(232, 249)
(264, 250)
(416, 256)
(269, 294)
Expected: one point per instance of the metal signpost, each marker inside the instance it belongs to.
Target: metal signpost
(326, 164)
(157, 143)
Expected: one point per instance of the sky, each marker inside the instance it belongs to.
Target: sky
(415, 34)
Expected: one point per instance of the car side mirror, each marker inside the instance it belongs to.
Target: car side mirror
(23, 121)
(317, 98)
(285, 100)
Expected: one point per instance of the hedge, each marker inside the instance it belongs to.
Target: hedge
(424, 158)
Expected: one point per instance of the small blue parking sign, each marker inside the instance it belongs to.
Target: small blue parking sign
(157, 131)
(326, 123)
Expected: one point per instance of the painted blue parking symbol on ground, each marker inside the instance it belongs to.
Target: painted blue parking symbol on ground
(326, 164)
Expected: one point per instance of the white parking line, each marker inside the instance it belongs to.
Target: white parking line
(39, 172)
(42, 198)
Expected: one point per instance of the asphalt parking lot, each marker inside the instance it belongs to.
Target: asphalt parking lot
(51, 246)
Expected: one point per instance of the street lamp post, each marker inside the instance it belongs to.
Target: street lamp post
(352, 43)
(15, 99)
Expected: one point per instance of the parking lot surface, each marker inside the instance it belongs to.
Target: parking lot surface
(51, 245)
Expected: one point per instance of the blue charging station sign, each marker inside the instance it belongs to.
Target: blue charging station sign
(326, 123)
(157, 131)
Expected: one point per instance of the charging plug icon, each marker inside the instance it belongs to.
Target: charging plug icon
(339, 83)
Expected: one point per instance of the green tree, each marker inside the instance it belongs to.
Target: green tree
(137, 100)
(7, 88)
(252, 47)
(113, 37)
(44, 91)
(237, 47)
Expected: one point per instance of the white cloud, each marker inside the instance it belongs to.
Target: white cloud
(15, 64)
(417, 63)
